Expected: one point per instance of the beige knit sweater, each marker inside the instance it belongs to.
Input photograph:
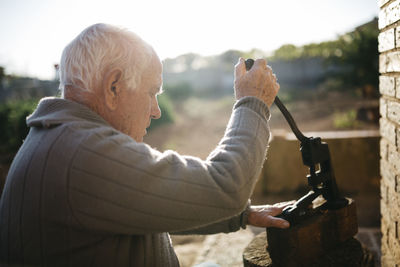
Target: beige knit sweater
(80, 193)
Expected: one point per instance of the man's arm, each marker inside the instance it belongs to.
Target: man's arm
(226, 226)
(259, 216)
(120, 186)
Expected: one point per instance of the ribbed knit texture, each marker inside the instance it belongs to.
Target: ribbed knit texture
(80, 193)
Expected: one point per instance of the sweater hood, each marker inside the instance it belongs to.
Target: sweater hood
(52, 111)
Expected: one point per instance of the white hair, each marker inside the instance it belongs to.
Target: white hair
(99, 48)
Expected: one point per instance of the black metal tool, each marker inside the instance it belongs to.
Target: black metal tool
(321, 178)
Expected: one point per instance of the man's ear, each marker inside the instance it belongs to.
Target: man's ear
(112, 87)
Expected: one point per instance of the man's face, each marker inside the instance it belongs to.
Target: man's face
(138, 106)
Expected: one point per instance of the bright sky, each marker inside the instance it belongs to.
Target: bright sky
(33, 33)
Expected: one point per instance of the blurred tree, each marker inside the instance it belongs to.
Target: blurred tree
(13, 128)
(178, 91)
(287, 52)
(1, 77)
(352, 59)
(181, 63)
(230, 57)
(359, 57)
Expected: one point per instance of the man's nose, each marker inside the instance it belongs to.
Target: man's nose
(155, 111)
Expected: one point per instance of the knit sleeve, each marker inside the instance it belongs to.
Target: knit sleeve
(117, 185)
(226, 226)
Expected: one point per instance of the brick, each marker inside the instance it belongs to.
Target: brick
(384, 149)
(387, 85)
(389, 62)
(394, 157)
(397, 88)
(394, 247)
(397, 35)
(386, 254)
(387, 164)
(388, 173)
(389, 14)
(395, 211)
(386, 168)
(382, 2)
(384, 190)
(390, 200)
(385, 226)
(383, 107)
(392, 204)
(393, 111)
(386, 258)
(388, 261)
(388, 225)
(395, 208)
(386, 40)
(384, 221)
(388, 130)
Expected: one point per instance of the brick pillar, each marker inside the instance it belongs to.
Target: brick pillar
(389, 87)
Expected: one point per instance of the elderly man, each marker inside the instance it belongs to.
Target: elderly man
(84, 190)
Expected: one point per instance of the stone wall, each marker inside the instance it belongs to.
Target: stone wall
(355, 161)
(389, 85)
(354, 157)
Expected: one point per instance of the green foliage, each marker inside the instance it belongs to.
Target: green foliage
(13, 128)
(288, 52)
(352, 58)
(359, 56)
(230, 57)
(2, 75)
(345, 120)
(178, 91)
(167, 112)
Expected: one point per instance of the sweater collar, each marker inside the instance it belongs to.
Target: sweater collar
(52, 111)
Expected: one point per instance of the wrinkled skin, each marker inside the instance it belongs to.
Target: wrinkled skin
(127, 108)
(259, 81)
(263, 216)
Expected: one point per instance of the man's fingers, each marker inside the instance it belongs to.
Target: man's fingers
(284, 204)
(259, 81)
(278, 86)
(274, 211)
(240, 68)
(264, 216)
(277, 222)
(260, 63)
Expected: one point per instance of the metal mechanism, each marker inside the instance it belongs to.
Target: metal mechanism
(321, 178)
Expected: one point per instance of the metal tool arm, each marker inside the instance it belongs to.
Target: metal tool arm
(321, 178)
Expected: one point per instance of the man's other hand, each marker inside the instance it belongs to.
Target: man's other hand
(259, 81)
(264, 215)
